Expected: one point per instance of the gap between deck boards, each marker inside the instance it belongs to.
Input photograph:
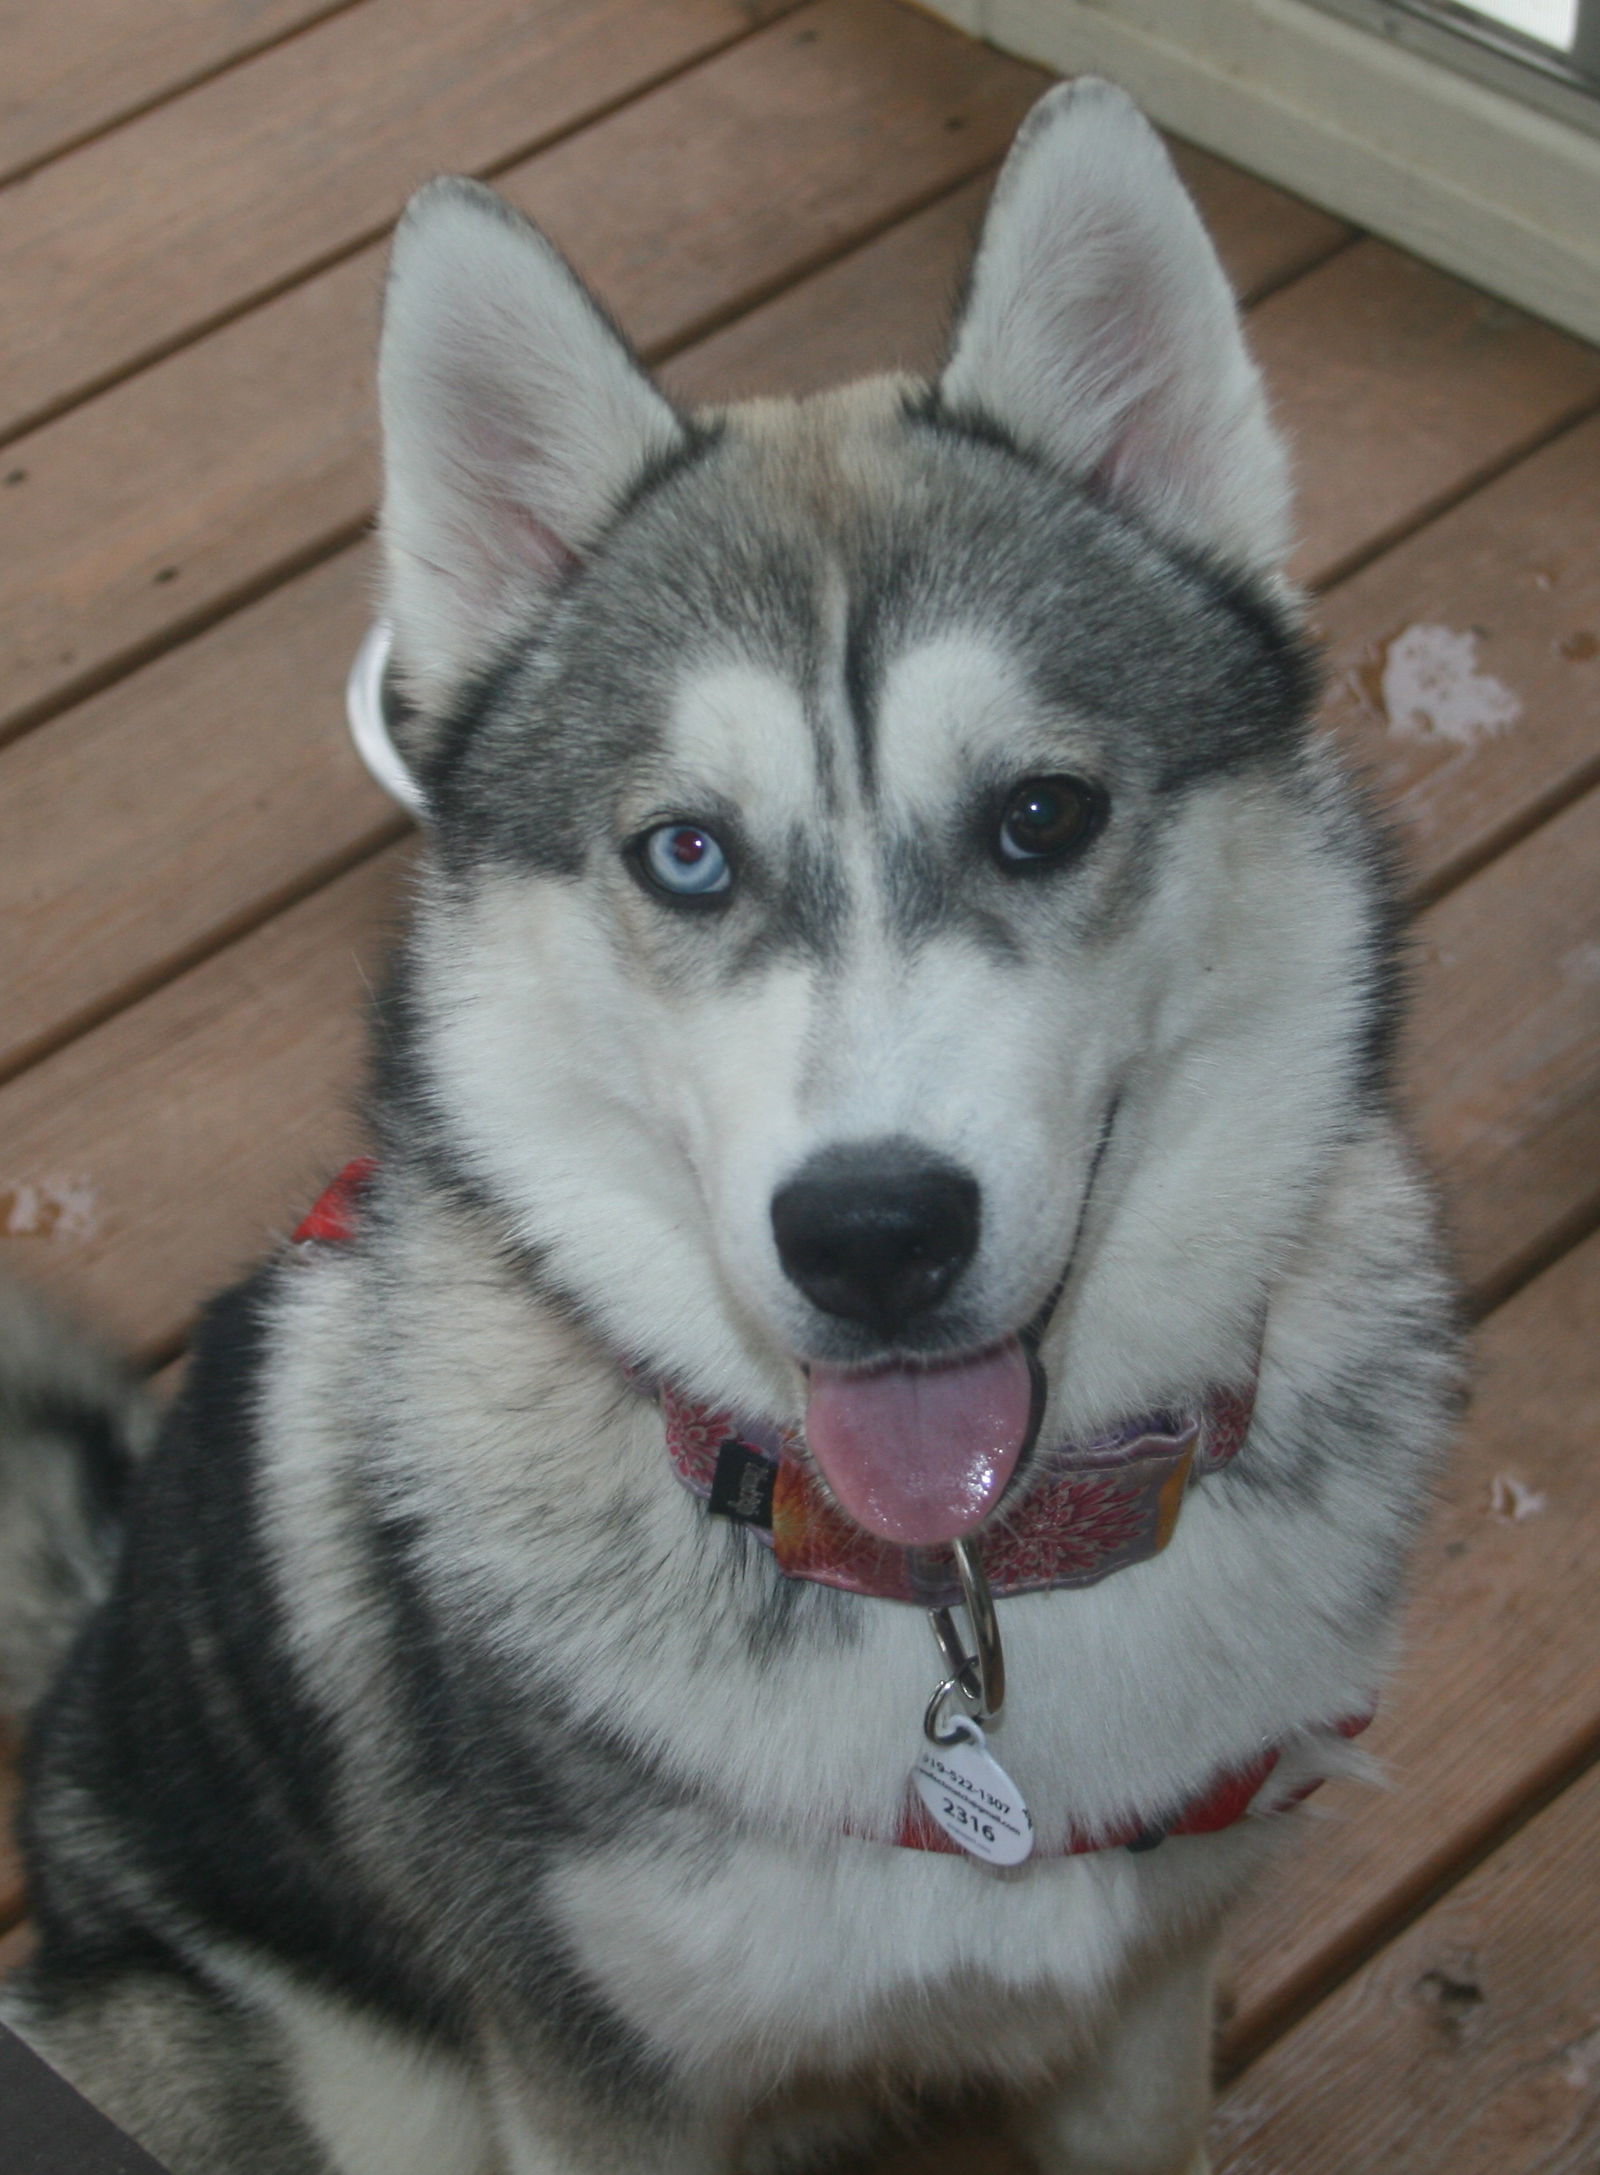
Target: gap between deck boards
(30, 140)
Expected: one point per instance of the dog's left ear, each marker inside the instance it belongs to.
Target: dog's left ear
(514, 420)
(1100, 331)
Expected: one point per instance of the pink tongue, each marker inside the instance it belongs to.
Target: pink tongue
(921, 1454)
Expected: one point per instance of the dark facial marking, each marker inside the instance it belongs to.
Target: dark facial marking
(800, 907)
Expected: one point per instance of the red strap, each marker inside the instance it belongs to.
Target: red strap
(1223, 1805)
(333, 1217)
(1227, 1801)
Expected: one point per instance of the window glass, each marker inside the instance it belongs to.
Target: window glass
(1552, 22)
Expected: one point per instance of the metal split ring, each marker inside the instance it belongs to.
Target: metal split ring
(933, 1714)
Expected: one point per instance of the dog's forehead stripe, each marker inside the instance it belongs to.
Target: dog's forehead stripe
(947, 708)
(740, 730)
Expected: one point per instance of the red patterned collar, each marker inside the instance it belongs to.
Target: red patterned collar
(1227, 1799)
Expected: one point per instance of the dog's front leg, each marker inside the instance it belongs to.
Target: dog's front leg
(1139, 2106)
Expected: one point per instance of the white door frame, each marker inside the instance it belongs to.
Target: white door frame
(1460, 172)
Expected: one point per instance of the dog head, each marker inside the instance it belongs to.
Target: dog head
(883, 889)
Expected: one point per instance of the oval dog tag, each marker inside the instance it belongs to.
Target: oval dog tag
(970, 1795)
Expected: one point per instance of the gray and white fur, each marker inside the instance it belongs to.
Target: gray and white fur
(74, 1426)
(438, 1790)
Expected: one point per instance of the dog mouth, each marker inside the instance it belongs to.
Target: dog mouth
(920, 1454)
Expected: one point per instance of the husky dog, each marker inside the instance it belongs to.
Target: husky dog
(896, 991)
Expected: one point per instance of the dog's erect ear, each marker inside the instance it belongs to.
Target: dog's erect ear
(1100, 331)
(514, 418)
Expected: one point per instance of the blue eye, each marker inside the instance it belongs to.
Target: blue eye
(684, 861)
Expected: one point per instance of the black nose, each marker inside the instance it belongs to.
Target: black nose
(876, 1233)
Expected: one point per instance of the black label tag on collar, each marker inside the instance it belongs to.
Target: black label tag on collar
(741, 1488)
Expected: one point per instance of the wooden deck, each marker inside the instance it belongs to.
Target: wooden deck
(194, 869)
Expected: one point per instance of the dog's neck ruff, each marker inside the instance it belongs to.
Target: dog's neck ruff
(1093, 1508)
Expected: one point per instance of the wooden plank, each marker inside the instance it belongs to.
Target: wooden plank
(131, 244)
(884, 306)
(175, 492)
(186, 487)
(15, 1948)
(1470, 2046)
(1497, 1692)
(1265, 236)
(1505, 1048)
(887, 305)
(152, 821)
(67, 72)
(747, 169)
(1513, 581)
(1399, 388)
(176, 1140)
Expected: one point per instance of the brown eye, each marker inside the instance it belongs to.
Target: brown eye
(1048, 819)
